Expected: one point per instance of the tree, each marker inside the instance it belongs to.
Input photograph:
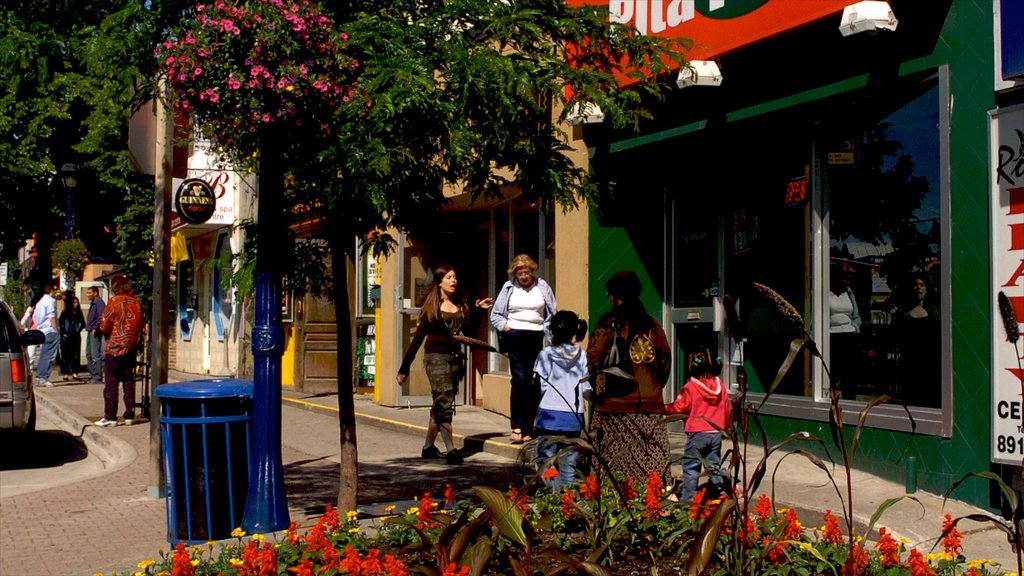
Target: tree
(424, 95)
(71, 75)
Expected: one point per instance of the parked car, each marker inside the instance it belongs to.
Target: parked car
(17, 399)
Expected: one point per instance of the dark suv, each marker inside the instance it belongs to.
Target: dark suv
(17, 400)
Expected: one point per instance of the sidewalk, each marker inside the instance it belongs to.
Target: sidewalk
(123, 524)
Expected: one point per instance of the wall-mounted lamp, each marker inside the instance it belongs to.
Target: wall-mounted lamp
(867, 16)
(700, 73)
(584, 113)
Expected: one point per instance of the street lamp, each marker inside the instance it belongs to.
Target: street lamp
(70, 179)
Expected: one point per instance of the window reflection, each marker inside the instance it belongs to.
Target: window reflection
(884, 223)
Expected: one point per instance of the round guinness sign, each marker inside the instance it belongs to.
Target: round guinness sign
(195, 201)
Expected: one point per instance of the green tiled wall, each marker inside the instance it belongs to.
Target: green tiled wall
(966, 46)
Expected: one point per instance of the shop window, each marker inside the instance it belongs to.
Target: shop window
(188, 299)
(885, 230)
(223, 300)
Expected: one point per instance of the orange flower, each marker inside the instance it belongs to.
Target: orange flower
(856, 561)
(652, 500)
(792, 529)
(520, 500)
(918, 564)
(590, 490)
(550, 473)
(763, 509)
(454, 570)
(750, 532)
(182, 564)
(449, 494)
(889, 548)
(426, 507)
(330, 519)
(831, 533)
(305, 568)
(696, 508)
(776, 550)
(628, 493)
(567, 503)
(293, 533)
(351, 562)
(393, 566)
(951, 540)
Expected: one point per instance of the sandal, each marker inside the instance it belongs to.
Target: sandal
(516, 437)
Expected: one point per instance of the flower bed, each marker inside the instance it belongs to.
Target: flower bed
(594, 528)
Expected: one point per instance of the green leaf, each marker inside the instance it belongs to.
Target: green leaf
(704, 546)
(889, 503)
(507, 516)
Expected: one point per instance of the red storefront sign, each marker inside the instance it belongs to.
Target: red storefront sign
(716, 26)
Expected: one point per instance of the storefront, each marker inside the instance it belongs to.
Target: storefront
(846, 175)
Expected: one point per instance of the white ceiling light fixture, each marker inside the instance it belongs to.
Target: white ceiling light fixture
(699, 73)
(867, 16)
(584, 113)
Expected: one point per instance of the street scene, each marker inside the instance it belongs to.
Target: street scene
(512, 287)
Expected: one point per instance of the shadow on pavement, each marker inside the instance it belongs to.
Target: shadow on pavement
(40, 449)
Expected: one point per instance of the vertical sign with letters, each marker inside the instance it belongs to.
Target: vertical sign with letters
(1006, 149)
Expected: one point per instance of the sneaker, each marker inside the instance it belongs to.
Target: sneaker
(431, 453)
(45, 383)
(128, 421)
(453, 457)
(103, 422)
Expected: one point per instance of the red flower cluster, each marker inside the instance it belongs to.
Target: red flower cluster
(371, 565)
(951, 537)
(763, 509)
(918, 564)
(181, 563)
(628, 493)
(522, 501)
(453, 569)
(831, 533)
(589, 489)
(856, 561)
(568, 503)
(426, 507)
(889, 548)
(449, 494)
(550, 473)
(652, 499)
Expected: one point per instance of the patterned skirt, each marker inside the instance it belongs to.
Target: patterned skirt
(633, 444)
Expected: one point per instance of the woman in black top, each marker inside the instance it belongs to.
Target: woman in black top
(71, 323)
(444, 314)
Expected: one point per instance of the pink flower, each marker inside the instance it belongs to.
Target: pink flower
(265, 117)
(233, 84)
(169, 61)
(198, 71)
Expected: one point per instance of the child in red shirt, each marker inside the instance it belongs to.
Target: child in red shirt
(706, 399)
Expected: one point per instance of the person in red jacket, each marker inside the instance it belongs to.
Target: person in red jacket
(122, 324)
(706, 399)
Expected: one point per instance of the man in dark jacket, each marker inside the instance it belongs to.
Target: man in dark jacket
(94, 337)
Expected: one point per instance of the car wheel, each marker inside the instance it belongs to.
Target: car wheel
(30, 426)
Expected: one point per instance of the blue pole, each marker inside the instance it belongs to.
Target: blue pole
(266, 509)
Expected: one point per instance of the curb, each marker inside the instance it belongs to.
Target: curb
(471, 443)
(113, 452)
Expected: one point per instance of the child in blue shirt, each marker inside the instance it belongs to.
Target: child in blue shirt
(561, 369)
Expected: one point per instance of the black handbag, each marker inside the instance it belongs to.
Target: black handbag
(614, 377)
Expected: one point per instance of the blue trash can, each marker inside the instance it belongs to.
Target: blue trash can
(206, 429)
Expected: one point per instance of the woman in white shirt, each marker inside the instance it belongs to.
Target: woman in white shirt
(520, 315)
(844, 328)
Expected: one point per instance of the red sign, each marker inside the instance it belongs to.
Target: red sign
(716, 26)
(796, 191)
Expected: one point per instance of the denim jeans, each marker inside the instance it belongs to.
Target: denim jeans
(703, 449)
(94, 355)
(567, 463)
(47, 353)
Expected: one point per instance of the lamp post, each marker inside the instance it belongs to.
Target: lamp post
(70, 179)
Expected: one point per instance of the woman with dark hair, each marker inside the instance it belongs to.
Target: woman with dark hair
(628, 429)
(71, 323)
(918, 346)
(443, 314)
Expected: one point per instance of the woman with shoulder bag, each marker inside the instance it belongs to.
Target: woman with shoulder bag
(628, 430)
(521, 313)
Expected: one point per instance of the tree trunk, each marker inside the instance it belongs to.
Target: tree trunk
(342, 245)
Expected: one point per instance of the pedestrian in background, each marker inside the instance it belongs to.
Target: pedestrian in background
(521, 312)
(443, 314)
(93, 335)
(561, 369)
(45, 318)
(628, 428)
(71, 324)
(122, 324)
(29, 323)
(706, 400)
